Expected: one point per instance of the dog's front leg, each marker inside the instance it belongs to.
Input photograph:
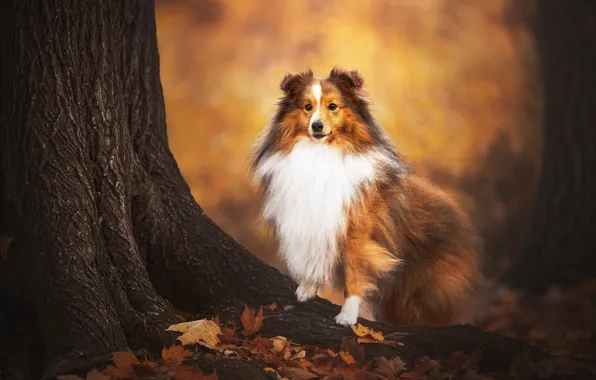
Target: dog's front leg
(306, 291)
(356, 285)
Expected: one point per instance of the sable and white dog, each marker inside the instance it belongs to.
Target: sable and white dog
(348, 214)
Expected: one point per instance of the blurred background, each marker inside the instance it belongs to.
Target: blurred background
(454, 83)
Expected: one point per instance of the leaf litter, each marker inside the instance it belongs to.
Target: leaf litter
(283, 359)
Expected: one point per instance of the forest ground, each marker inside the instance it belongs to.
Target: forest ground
(560, 322)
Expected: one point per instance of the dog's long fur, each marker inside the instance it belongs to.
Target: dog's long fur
(349, 214)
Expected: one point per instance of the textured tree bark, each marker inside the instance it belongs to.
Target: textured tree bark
(561, 243)
(108, 243)
(105, 229)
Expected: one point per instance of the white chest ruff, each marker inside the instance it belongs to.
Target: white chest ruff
(308, 193)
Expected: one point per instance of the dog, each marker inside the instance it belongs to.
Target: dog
(349, 214)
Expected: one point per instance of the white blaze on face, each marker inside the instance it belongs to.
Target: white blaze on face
(317, 93)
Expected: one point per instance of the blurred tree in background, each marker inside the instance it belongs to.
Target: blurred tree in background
(560, 247)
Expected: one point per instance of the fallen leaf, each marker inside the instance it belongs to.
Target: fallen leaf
(144, 370)
(279, 343)
(272, 372)
(96, 375)
(66, 377)
(298, 355)
(123, 365)
(175, 354)
(351, 345)
(227, 333)
(251, 323)
(288, 307)
(204, 330)
(347, 357)
(369, 340)
(362, 331)
(273, 306)
(426, 364)
(389, 368)
(299, 374)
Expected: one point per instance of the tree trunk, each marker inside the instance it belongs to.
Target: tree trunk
(106, 232)
(561, 245)
(108, 245)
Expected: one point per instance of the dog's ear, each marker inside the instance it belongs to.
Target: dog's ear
(347, 80)
(293, 82)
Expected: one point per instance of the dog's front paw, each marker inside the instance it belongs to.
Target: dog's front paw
(306, 292)
(349, 311)
(346, 319)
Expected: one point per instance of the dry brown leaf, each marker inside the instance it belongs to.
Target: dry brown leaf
(64, 377)
(273, 306)
(251, 323)
(5, 242)
(363, 331)
(426, 364)
(351, 345)
(295, 373)
(204, 330)
(389, 368)
(228, 333)
(175, 354)
(96, 375)
(147, 370)
(347, 357)
(124, 362)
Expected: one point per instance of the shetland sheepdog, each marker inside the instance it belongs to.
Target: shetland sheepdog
(349, 215)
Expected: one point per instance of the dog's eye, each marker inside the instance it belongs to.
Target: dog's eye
(308, 107)
(332, 106)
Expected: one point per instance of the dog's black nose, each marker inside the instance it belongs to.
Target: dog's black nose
(317, 126)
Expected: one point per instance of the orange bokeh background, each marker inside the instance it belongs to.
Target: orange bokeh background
(452, 82)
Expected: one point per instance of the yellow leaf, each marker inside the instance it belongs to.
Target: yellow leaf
(298, 355)
(362, 331)
(272, 372)
(251, 323)
(279, 342)
(347, 357)
(204, 330)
